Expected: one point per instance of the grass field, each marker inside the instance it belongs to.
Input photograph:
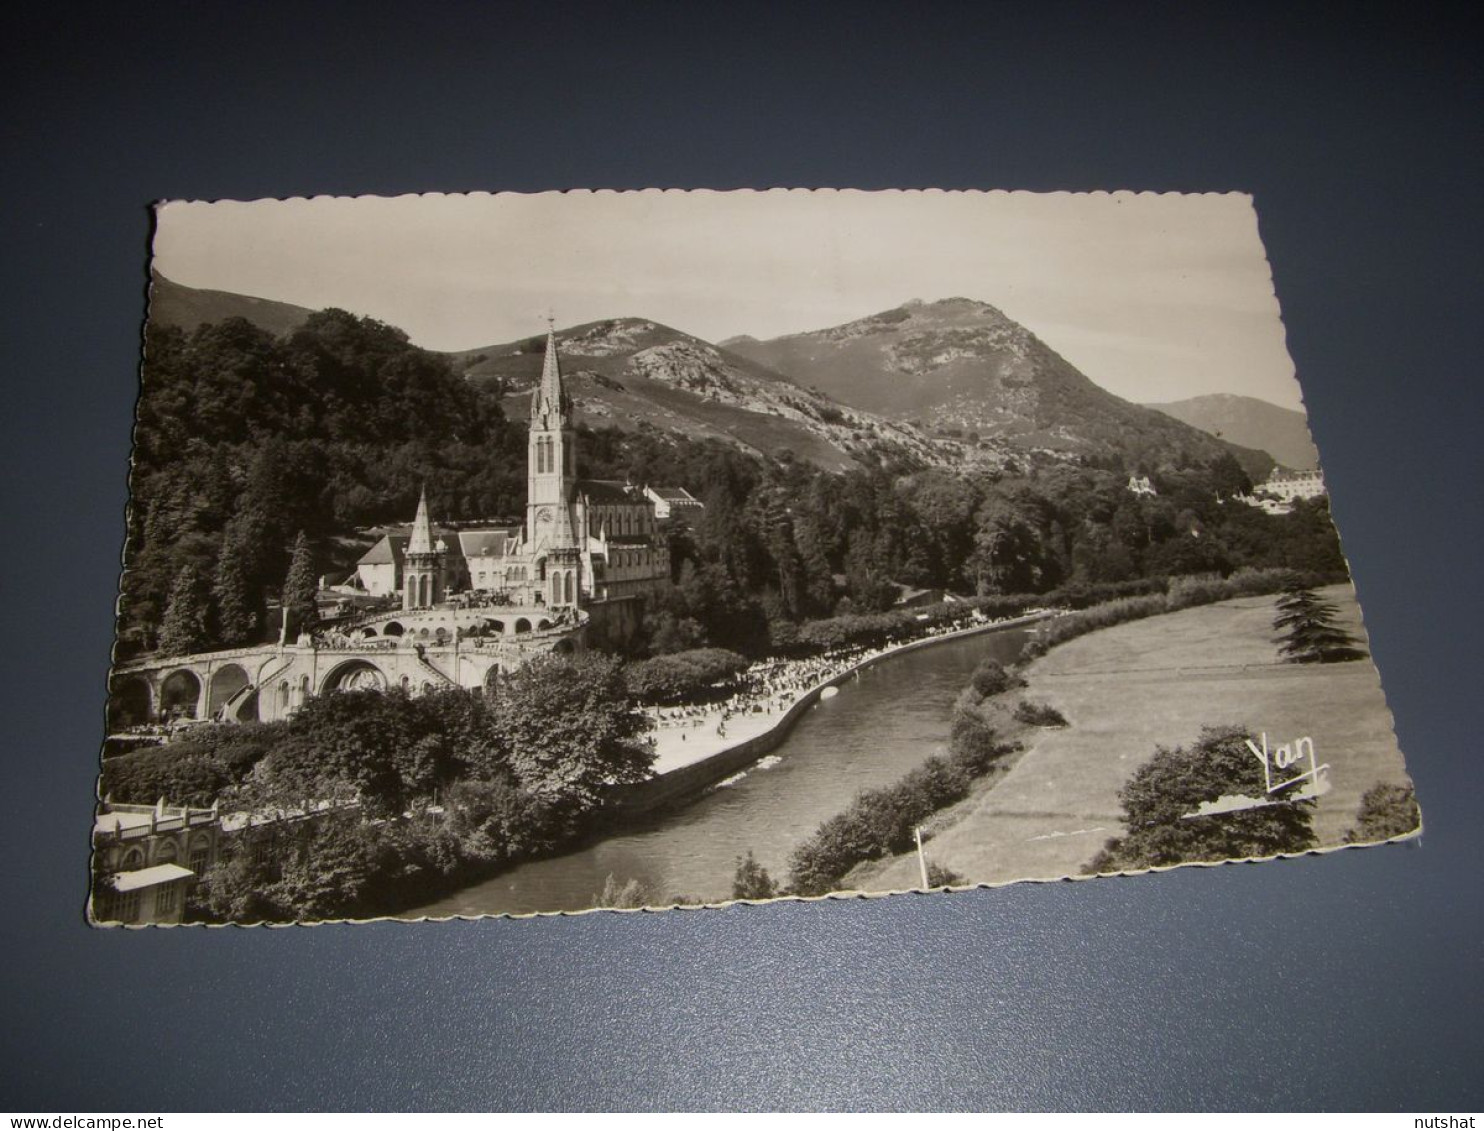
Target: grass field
(1126, 690)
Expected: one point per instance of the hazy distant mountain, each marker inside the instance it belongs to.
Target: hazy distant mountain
(1281, 432)
(171, 304)
(630, 372)
(963, 365)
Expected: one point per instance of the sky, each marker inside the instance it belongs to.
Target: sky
(1156, 297)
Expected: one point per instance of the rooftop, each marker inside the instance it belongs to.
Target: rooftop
(149, 877)
(674, 495)
(609, 491)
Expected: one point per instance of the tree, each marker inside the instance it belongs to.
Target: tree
(870, 586)
(708, 597)
(1307, 632)
(944, 506)
(299, 588)
(384, 747)
(1386, 811)
(681, 675)
(329, 872)
(1160, 800)
(628, 896)
(495, 820)
(313, 870)
(568, 731)
(751, 880)
(1228, 477)
(1009, 554)
(184, 628)
(941, 877)
(234, 587)
(195, 769)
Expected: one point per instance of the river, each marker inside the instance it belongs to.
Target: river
(883, 723)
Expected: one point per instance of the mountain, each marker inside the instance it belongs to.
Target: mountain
(171, 304)
(1281, 432)
(985, 385)
(961, 365)
(631, 372)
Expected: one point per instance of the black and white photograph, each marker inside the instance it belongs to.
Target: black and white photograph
(505, 555)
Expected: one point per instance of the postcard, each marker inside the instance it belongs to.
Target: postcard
(504, 554)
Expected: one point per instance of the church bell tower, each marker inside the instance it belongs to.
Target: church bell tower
(551, 470)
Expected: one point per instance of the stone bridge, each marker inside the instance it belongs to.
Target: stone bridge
(270, 681)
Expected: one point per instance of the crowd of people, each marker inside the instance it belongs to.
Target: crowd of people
(772, 687)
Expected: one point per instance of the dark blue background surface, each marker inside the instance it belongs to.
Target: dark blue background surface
(1349, 981)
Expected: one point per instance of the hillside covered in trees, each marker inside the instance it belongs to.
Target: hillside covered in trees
(246, 440)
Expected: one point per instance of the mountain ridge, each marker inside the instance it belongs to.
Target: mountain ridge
(175, 304)
(1281, 432)
(967, 366)
(682, 385)
(642, 371)
(991, 391)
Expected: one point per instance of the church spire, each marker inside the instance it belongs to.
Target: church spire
(421, 541)
(550, 398)
(424, 578)
(551, 463)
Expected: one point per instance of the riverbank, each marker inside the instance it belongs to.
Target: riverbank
(1126, 690)
(884, 721)
(717, 743)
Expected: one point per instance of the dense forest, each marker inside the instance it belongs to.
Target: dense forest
(247, 444)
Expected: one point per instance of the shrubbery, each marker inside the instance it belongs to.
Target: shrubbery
(1085, 595)
(880, 822)
(872, 629)
(514, 777)
(1208, 588)
(1050, 633)
(973, 744)
(751, 880)
(941, 877)
(1161, 799)
(853, 628)
(496, 821)
(1386, 811)
(1039, 714)
(1184, 592)
(680, 676)
(624, 896)
(334, 866)
(992, 677)
(1196, 589)
(192, 770)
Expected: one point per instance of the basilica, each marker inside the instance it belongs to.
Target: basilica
(587, 544)
(456, 608)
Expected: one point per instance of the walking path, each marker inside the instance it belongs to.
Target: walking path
(771, 689)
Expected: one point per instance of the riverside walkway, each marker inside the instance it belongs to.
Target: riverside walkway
(685, 737)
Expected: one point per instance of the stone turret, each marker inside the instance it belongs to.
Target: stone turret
(425, 573)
